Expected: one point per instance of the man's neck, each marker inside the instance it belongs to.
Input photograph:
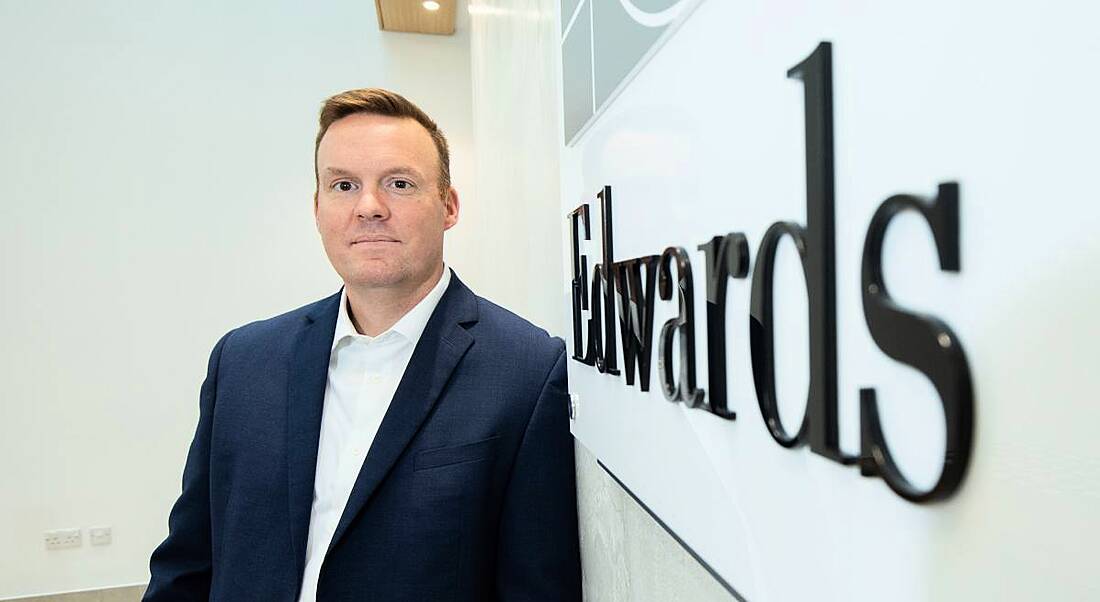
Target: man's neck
(373, 310)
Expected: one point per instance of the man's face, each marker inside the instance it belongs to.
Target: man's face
(379, 209)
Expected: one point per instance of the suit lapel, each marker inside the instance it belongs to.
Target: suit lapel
(307, 374)
(441, 347)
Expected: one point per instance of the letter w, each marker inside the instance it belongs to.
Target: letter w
(636, 314)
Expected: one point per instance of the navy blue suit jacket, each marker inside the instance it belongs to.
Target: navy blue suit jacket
(467, 492)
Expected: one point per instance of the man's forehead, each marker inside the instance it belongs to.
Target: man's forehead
(366, 135)
(378, 126)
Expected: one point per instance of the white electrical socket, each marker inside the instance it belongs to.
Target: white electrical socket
(99, 536)
(60, 539)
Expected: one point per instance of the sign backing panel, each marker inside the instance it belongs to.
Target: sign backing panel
(706, 136)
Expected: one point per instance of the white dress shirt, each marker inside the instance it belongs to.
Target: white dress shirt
(363, 374)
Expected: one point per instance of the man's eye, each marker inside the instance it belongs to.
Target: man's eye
(343, 186)
(403, 185)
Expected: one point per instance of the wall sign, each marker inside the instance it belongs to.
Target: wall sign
(925, 342)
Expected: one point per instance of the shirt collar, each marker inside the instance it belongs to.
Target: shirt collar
(411, 325)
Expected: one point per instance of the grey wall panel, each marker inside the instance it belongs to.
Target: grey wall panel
(576, 66)
(567, 8)
(620, 43)
(652, 6)
(623, 33)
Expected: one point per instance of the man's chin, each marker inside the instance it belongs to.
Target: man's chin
(377, 280)
(380, 275)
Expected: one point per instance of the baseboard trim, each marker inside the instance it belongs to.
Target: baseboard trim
(74, 595)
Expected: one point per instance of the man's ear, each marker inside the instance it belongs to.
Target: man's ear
(450, 208)
(316, 222)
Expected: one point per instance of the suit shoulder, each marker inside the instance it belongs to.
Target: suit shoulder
(516, 334)
(263, 331)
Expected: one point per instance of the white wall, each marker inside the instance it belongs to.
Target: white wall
(155, 190)
(516, 134)
(514, 54)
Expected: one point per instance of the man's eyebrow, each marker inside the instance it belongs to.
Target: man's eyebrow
(337, 171)
(406, 169)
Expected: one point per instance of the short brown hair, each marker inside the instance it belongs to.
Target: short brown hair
(378, 101)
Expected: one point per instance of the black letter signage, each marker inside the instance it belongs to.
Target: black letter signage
(578, 218)
(682, 326)
(606, 361)
(636, 319)
(921, 341)
(815, 245)
(726, 257)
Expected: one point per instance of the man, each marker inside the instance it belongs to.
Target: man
(402, 439)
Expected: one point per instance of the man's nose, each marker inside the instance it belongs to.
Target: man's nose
(371, 206)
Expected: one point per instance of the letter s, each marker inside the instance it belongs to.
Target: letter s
(921, 341)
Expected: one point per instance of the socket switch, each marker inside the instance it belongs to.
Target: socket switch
(60, 539)
(99, 536)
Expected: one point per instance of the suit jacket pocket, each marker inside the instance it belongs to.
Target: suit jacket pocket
(457, 454)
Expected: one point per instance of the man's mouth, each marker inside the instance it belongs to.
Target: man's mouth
(372, 239)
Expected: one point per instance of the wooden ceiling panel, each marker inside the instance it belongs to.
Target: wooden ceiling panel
(411, 16)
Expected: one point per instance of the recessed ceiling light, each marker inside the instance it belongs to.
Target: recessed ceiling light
(430, 4)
